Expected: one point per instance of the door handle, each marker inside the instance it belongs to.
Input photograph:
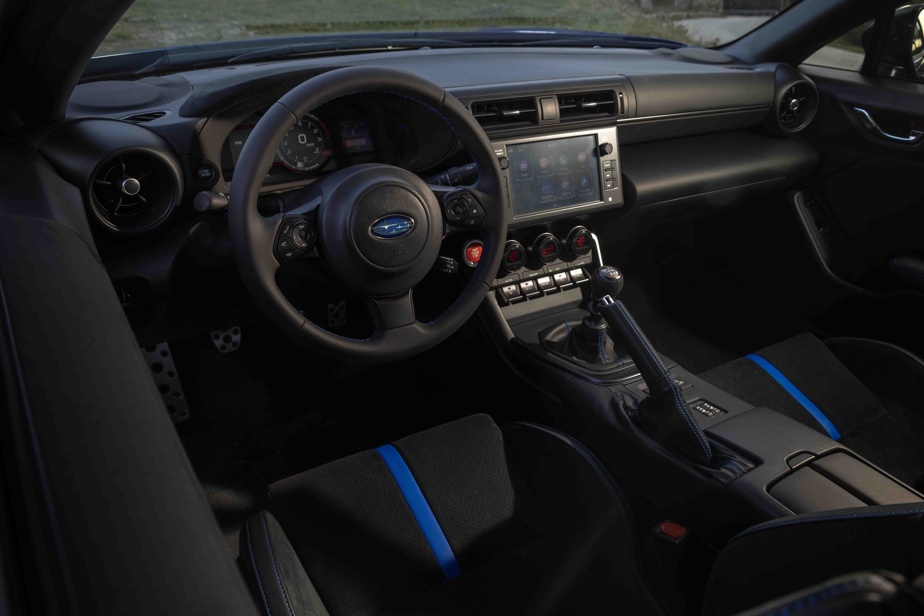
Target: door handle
(870, 124)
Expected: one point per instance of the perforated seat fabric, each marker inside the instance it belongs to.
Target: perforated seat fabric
(534, 523)
(868, 390)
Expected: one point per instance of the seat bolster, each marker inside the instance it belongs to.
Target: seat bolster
(280, 583)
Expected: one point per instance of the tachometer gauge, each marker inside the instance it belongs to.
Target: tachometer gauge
(306, 146)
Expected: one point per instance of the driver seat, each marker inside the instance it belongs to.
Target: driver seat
(467, 518)
(460, 519)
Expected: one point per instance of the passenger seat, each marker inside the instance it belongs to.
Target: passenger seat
(862, 393)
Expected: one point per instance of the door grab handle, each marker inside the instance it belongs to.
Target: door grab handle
(870, 124)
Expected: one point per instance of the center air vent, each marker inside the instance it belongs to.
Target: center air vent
(133, 192)
(509, 113)
(591, 105)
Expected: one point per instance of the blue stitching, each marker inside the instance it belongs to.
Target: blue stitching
(601, 342)
(736, 465)
(684, 411)
(908, 270)
(256, 573)
(269, 544)
(616, 492)
(790, 522)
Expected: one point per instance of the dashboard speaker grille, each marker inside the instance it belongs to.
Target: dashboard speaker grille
(111, 97)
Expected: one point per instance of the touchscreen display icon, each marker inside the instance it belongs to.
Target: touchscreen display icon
(566, 187)
(544, 165)
(524, 169)
(546, 191)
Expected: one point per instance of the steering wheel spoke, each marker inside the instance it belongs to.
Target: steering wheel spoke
(392, 312)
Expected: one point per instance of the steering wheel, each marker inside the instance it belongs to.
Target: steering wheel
(377, 227)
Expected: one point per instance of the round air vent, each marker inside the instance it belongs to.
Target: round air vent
(795, 102)
(134, 192)
(797, 106)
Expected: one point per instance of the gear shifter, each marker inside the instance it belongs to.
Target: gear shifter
(664, 415)
(587, 341)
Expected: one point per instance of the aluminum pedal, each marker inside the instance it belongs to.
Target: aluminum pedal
(227, 341)
(160, 361)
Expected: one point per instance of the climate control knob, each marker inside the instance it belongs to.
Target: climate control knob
(579, 242)
(514, 256)
(546, 248)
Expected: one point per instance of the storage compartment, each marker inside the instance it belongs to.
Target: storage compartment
(836, 481)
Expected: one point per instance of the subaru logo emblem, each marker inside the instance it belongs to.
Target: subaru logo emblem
(391, 227)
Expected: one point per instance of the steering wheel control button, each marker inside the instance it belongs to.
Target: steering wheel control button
(514, 256)
(284, 244)
(472, 252)
(546, 248)
(303, 236)
(456, 210)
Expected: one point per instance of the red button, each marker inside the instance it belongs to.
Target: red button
(473, 252)
(672, 531)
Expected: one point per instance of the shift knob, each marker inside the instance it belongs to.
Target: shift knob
(607, 280)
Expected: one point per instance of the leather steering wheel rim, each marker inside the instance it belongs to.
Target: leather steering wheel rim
(253, 235)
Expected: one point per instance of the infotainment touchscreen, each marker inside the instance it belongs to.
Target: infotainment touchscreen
(553, 174)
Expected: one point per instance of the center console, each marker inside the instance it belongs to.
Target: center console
(691, 447)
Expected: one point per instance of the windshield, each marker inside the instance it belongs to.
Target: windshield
(166, 24)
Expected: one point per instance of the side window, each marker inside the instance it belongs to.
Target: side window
(896, 38)
(845, 52)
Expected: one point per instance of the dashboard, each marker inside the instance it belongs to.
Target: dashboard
(592, 142)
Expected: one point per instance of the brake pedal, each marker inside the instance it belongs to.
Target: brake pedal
(227, 341)
(160, 361)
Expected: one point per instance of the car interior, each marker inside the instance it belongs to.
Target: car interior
(531, 327)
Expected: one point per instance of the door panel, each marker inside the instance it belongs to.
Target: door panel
(867, 204)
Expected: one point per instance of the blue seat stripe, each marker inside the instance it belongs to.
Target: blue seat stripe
(800, 397)
(421, 510)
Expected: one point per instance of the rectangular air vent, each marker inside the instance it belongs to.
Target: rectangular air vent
(508, 113)
(591, 105)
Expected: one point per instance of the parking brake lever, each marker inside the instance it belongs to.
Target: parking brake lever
(664, 415)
